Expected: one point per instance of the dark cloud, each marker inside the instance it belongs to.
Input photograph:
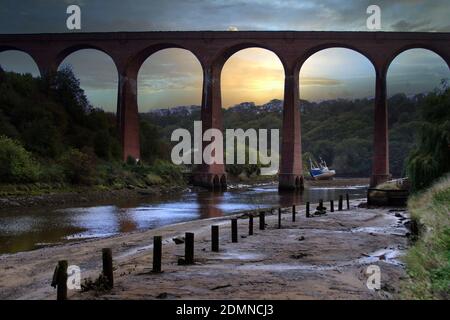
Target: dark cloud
(403, 25)
(176, 76)
(117, 15)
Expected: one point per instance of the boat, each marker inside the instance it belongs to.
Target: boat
(320, 171)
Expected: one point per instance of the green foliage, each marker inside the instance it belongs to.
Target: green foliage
(167, 170)
(428, 261)
(153, 147)
(16, 164)
(49, 116)
(78, 167)
(338, 131)
(76, 143)
(431, 158)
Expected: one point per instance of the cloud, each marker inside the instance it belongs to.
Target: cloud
(312, 81)
(403, 25)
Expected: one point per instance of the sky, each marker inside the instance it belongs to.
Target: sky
(173, 77)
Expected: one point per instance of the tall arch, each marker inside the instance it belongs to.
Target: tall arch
(170, 77)
(17, 60)
(327, 75)
(412, 73)
(252, 70)
(332, 45)
(414, 45)
(94, 68)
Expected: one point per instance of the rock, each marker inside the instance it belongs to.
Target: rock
(178, 240)
(298, 256)
(162, 295)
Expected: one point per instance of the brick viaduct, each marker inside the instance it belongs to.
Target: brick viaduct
(129, 50)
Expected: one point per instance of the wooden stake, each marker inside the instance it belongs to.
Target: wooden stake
(189, 248)
(234, 231)
(157, 254)
(108, 266)
(215, 238)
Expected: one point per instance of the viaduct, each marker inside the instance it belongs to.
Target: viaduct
(129, 50)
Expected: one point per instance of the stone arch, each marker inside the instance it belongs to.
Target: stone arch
(8, 48)
(223, 56)
(63, 54)
(110, 69)
(318, 49)
(405, 48)
(231, 78)
(311, 51)
(197, 73)
(135, 63)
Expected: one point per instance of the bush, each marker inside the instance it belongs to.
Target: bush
(16, 164)
(79, 167)
(431, 158)
(428, 261)
(167, 171)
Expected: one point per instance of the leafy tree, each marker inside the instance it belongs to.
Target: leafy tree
(431, 158)
(16, 164)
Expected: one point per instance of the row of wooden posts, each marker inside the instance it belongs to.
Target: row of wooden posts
(60, 276)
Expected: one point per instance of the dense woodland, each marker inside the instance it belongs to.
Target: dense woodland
(339, 131)
(51, 136)
(50, 133)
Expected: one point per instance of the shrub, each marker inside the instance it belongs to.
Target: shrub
(16, 164)
(167, 170)
(79, 167)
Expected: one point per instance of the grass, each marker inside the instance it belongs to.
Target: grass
(105, 176)
(428, 261)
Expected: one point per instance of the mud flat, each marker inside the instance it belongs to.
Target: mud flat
(322, 257)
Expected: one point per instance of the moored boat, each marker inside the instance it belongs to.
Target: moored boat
(320, 171)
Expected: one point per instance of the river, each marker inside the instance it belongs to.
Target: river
(31, 228)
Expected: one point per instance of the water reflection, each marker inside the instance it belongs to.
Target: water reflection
(27, 229)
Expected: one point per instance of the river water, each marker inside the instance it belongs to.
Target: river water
(27, 229)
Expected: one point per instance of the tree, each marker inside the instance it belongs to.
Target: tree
(431, 158)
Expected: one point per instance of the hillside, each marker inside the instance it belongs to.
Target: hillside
(340, 131)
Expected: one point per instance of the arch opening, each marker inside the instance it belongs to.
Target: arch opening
(252, 90)
(18, 61)
(97, 74)
(412, 75)
(169, 92)
(337, 88)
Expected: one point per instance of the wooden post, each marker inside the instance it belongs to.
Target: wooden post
(293, 213)
(279, 218)
(189, 248)
(250, 225)
(215, 238)
(348, 201)
(340, 203)
(234, 231)
(332, 205)
(60, 280)
(307, 209)
(157, 253)
(108, 266)
(321, 203)
(262, 222)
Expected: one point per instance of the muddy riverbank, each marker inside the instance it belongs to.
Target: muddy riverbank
(82, 196)
(323, 257)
